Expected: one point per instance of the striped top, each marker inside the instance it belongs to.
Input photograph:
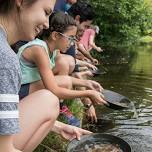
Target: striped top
(10, 78)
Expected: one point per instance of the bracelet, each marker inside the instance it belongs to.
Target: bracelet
(87, 106)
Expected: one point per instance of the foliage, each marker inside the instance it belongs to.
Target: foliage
(122, 22)
(146, 39)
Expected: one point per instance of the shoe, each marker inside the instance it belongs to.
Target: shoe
(69, 117)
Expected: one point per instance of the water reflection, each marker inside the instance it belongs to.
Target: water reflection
(133, 80)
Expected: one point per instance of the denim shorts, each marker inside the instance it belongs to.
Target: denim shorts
(24, 90)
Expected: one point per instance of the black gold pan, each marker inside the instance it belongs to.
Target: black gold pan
(115, 100)
(98, 72)
(97, 139)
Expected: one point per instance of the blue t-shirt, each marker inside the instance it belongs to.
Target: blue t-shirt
(71, 51)
(60, 5)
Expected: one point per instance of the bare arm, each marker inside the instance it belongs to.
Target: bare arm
(84, 63)
(69, 132)
(40, 58)
(89, 84)
(86, 53)
(93, 45)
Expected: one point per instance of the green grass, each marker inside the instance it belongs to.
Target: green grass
(52, 143)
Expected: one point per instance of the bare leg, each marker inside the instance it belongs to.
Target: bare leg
(62, 80)
(38, 112)
(64, 65)
(6, 144)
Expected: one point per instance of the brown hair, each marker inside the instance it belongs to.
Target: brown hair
(7, 5)
(59, 22)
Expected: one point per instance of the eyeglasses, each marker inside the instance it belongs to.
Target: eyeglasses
(71, 39)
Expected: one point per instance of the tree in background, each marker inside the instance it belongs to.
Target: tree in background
(122, 22)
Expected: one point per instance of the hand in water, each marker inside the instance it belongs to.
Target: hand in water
(91, 114)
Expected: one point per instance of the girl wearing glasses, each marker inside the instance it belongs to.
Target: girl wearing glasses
(37, 59)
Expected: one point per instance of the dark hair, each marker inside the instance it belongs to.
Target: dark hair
(59, 22)
(83, 9)
(7, 5)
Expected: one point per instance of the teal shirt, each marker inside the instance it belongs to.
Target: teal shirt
(29, 70)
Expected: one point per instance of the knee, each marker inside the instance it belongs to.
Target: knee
(62, 66)
(71, 62)
(68, 81)
(66, 63)
(52, 104)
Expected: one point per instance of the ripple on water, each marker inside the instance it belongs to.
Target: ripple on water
(134, 82)
(134, 137)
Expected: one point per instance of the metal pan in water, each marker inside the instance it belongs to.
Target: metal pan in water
(98, 72)
(115, 100)
(97, 139)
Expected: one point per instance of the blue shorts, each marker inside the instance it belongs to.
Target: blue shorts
(71, 51)
(76, 69)
(24, 90)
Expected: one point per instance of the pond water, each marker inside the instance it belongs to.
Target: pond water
(133, 80)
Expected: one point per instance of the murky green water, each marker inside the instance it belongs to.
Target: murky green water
(133, 80)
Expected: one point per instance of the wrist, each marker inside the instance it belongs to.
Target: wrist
(88, 106)
(57, 127)
(90, 93)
